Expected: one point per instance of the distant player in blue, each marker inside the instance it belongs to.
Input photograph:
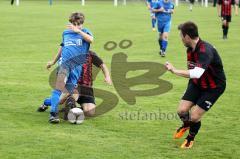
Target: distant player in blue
(164, 10)
(75, 47)
(152, 4)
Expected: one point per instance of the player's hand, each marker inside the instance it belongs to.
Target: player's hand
(169, 66)
(108, 80)
(49, 65)
(73, 28)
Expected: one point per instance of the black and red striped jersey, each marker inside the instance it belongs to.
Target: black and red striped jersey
(86, 78)
(226, 7)
(206, 56)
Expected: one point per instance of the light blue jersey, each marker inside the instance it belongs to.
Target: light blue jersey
(74, 45)
(164, 16)
(74, 54)
(153, 3)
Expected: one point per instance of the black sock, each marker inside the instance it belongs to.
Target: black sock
(224, 30)
(227, 30)
(160, 43)
(185, 119)
(194, 128)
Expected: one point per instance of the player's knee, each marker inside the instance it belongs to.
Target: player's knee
(165, 37)
(184, 116)
(182, 110)
(224, 23)
(89, 110)
(195, 118)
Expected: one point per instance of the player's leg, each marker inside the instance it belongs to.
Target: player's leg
(166, 30)
(236, 5)
(204, 103)
(164, 43)
(228, 20)
(45, 105)
(224, 27)
(184, 114)
(195, 124)
(188, 101)
(88, 104)
(214, 3)
(154, 20)
(47, 102)
(56, 93)
(89, 109)
(160, 39)
(191, 5)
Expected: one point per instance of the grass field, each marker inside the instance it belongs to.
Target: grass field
(30, 35)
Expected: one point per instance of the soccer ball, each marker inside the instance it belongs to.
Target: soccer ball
(75, 116)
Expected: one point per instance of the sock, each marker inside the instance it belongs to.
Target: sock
(47, 102)
(164, 45)
(194, 128)
(226, 30)
(55, 98)
(153, 23)
(185, 119)
(160, 43)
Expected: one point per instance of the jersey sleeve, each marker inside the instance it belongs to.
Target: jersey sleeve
(88, 32)
(97, 61)
(157, 5)
(204, 59)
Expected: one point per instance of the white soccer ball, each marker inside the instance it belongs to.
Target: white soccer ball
(75, 116)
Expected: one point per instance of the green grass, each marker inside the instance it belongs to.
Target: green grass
(30, 35)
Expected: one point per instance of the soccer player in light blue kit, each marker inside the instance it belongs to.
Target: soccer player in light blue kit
(164, 10)
(152, 4)
(75, 46)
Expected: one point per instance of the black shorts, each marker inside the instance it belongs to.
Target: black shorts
(86, 99)
(203, 98)
(227, 18)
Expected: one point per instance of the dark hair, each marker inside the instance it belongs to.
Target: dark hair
(189, 28)
(77, 18)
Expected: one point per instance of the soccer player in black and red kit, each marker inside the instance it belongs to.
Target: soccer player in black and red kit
(86, 95)
(226, 13)
(207, 81)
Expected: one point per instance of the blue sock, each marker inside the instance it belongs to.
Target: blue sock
(55, 98)
(47, 102)
(160, 43)
(164, 45)
(153, 23)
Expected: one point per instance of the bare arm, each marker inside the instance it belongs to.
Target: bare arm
(158, 10)
(55, 59)
(147, 4)
(197, 72)
(182, 73)
(106, 74)
(85, 36)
